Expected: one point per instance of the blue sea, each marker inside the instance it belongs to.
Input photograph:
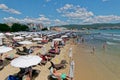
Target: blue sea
(110, 56)
(98, 38)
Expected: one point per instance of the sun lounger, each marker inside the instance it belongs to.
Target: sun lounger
(19, 52)
(50, 55)
(53, 51)
(61, 65)
(1, 64)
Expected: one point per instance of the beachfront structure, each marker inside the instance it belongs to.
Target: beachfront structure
(58, 28)
(35, 27)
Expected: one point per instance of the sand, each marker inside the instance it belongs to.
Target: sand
(87, 65)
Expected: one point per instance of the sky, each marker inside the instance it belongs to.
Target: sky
(60, 12)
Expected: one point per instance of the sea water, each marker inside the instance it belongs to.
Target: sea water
(110, 56)
(110, 39)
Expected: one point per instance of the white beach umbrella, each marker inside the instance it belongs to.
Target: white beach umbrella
(4, 49)
(70, 52)
(52, 43)
(25, 42)
(29, 36)
(43, 50)
(9, 34)
(25, 61)
(37, 39)
(2, 35)
(57, 39)
(18, 38)
(64, 36)
(71, 70)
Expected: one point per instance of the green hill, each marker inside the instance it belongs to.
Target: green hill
(93, 26)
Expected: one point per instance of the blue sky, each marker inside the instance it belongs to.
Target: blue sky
(60, 12)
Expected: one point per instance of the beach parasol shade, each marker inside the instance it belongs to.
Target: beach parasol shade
(36, 39)
(64, 36)
(25, 61)
(57, 39)
(4, 49)
(43, 50)
(9, 34)
(18, 38)
(70, 52)
(25, 42)
(71, 70)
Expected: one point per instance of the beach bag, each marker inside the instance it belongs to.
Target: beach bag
(11, 77)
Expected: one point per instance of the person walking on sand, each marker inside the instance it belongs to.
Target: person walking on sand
(93, 50)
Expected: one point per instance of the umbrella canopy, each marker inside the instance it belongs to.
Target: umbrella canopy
(70, 52)
(36, 39)
(9, 34)
(25, 42)
(57, 39)
(71, 70)
(43, 50)
(4, 49)
(26, 61)
(18, 37)
(64, 36)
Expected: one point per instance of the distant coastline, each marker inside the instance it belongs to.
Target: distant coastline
(100, 26)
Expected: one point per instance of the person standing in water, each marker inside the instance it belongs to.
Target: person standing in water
(104, 47)
(93, 50)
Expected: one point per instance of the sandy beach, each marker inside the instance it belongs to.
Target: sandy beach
(87, 65)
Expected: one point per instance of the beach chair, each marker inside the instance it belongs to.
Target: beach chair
(19, 52)
(61, 65)
(1, 64)
(44, 60)
(53, 51)
(51, 76)
(10, 57)
(50, 55)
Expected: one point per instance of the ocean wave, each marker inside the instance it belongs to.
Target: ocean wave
(112, 43)
(116, 39)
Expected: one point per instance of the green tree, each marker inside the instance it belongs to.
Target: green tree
(19, 27)
(4, 28)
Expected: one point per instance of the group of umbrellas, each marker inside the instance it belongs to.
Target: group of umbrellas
(29, 60)
(22, 61)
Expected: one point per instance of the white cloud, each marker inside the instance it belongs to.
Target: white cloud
(59, 22)
(3, 6)
(79, 15)
(42, 19)
(10, 10)
(102, 19)
(74, 12)
(66, 7)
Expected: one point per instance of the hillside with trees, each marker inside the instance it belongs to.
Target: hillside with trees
(93, 26)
